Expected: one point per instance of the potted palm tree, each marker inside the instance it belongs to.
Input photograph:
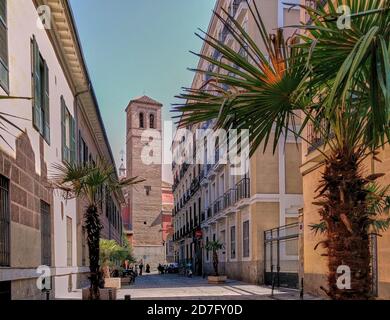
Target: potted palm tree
(336, 80)
(84, 181)
(215, 247)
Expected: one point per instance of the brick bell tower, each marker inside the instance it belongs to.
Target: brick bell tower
(144, 200)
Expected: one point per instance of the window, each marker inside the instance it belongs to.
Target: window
(233, 242)
(83, 150)
(141, 120)
(151, 121)
(245, 239)
(46, 233)
(68, 127)
(40, 92)
(4, 223)
(69, 241)
(207, 251)
(147, 190)
(4, 78)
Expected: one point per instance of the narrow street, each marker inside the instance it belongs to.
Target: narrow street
(178, 287)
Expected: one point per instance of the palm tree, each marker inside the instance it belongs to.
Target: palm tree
(84, 181)
(214, 246)
(336, 80)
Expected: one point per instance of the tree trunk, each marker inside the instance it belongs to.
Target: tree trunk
(215, 262)
(93, 228)
(344, 212)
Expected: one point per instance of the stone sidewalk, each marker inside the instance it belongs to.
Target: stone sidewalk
(179, 287)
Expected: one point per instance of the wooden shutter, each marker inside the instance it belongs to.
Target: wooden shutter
(36, 83)
(46, 105)
(72, 139)
(3, 45)
(63, 131)
(3, 10)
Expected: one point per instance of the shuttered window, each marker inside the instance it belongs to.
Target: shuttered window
(245, 239)
(68, 133)
(4, 78)
(232, 242)
(40, 90)
(69, 242)
(4, 223)
(46, 233)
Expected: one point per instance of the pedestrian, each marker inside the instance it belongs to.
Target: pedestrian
(141, 266)
(147, 268)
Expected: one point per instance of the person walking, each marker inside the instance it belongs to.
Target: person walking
(141, 266)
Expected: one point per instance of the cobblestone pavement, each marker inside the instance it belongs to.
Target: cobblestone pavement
(174, 287)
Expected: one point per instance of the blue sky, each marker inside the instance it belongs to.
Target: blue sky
(136, 47)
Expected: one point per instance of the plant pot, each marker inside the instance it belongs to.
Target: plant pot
(216, 279)
(112, 283)
(105, 294)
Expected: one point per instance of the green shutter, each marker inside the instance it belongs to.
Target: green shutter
(4, 82)
(46, 106)
(36, 83)
(72, 139)
(63, 130)
(3, 10)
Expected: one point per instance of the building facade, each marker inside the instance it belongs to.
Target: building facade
(61, 123)
(212, 201)
(166, 221)
(144, 210)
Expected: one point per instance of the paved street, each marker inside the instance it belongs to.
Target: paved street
(174, 287)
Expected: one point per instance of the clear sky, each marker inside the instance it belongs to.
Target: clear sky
(136, 47)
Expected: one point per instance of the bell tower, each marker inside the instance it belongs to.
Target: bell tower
(144, 200)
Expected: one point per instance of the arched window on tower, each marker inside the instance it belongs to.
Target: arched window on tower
(151, 121)
(141, 120)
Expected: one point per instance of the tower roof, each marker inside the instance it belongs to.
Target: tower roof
(145, 100)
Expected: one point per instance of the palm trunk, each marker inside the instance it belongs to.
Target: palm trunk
(215, 262)
(343, 210)
(93, 227)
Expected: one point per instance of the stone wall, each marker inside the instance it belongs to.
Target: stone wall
(27, 189)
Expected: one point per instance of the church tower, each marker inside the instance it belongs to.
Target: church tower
(144, 216)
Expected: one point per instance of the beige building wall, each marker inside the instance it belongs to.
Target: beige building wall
(275, 181)
(314, 264)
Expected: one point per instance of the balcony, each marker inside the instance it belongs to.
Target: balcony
(243, 189)
(216, 55)
(229, 198)
(195, 185)
(218, 206)
(316, 136)
(209, 213)
(223, 34)
(239, 8)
